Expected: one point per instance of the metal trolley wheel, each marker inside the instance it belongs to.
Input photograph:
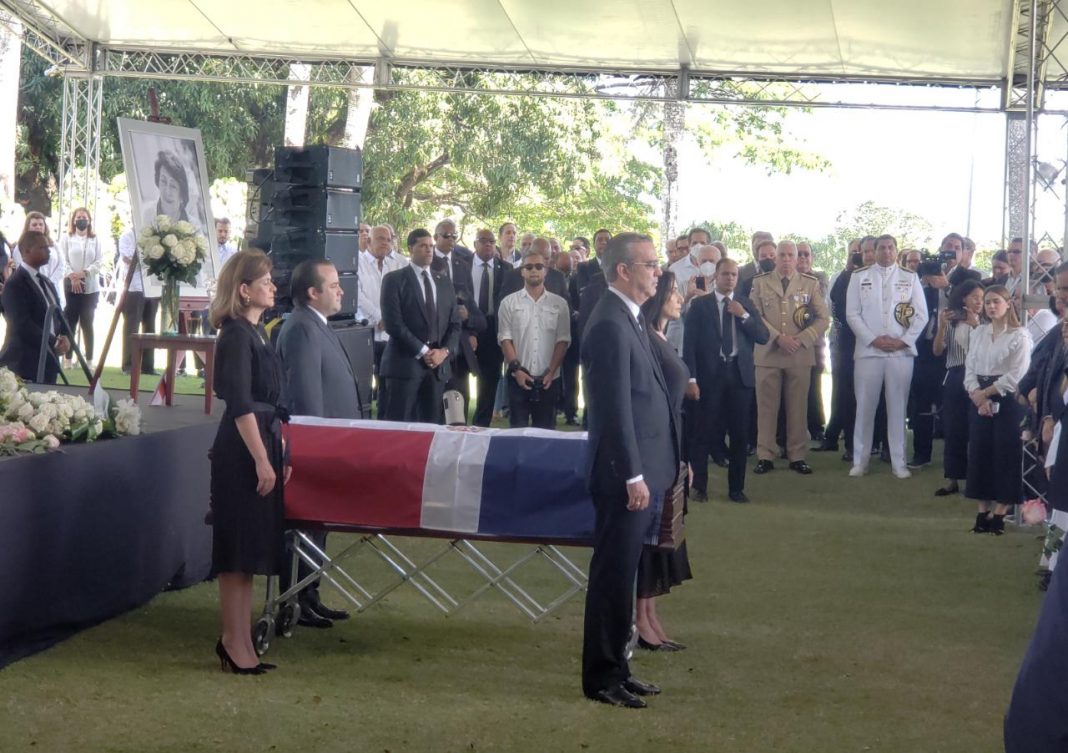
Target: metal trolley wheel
(261, 634)
(288, 615)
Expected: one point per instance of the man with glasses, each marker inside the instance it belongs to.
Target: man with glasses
(446, 263)
(631, 458)
(534, 330)
(796, 315)
(488, 275)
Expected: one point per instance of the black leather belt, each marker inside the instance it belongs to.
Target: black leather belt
(728, 359)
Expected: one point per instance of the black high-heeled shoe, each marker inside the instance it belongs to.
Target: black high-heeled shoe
(674, 644)
(947, 490)
(225, 662)
(265, 666)
(644, 644)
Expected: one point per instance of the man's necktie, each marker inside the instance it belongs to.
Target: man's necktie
(46, 288)
(431, 309)
(785, 283)
(484, 289)
(726, 323)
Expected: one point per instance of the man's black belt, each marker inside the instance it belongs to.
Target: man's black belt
(728, 359)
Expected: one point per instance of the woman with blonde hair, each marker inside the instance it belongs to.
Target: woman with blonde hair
(247, 467)
(82, 256)
(999, 353)
(54, 269)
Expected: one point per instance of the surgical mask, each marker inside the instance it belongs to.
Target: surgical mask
(707, 268)
(766, 265)
(1004, 279)
(81, 223)
(695, 249)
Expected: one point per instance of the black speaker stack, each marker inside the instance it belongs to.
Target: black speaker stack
(308, 207)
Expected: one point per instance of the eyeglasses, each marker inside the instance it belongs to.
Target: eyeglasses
(650, 265)
(452, 236)
(534, 267)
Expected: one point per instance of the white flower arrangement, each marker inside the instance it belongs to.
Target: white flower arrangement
(39, 421)
(173, 250)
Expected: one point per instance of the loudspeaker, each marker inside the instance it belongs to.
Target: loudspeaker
(359, 344)
(350, 294)
(322, 166)
(341, 249)
(315, 209)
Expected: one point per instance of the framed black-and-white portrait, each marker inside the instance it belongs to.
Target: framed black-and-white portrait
(166, 173)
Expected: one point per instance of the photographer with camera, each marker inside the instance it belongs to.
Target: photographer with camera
(534, 331)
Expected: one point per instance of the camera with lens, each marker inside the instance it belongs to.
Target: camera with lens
(932, 264)
(537, 389)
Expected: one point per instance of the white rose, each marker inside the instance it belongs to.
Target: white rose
(39, 423)
(202, 243)
(185, 228)
(26, 412)
(170, 241)
(156, 252)
(163, 222)
(147, 231)
(51, 442)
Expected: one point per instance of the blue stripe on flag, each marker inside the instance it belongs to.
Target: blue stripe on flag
(536, 487)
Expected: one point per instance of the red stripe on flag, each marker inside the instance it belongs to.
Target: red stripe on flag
(366, 477)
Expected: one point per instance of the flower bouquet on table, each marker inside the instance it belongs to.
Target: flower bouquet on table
(174, 252)
(39, 421)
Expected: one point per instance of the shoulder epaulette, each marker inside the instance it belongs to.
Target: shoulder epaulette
(809, 276)
(861, 269)
(905, 269)
(761, 274)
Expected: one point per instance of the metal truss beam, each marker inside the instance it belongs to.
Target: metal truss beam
(48, 35)
(79, 158)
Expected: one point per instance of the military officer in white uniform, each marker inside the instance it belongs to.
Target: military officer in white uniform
(886, 309)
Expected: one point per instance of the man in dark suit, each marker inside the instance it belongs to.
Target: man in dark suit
(27, 296)
(718, 340)
(464, 361)
(588, 269)
(319, 382)
(631, 458)
(423, 323)
(488, 275)
(565, 264)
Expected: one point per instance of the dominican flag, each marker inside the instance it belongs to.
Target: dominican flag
(506, 483)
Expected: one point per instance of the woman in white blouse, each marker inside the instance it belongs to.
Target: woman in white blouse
(999, 353)
(82, 256)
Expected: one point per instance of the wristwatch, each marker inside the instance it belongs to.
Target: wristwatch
(513, 367)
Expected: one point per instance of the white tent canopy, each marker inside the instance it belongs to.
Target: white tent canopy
(968, 41)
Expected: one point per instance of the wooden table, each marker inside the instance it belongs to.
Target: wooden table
(173, 344)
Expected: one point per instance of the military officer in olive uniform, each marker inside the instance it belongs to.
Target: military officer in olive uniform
(887, 311)
(793, 308)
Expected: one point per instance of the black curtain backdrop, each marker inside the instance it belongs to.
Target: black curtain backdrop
(95, 530)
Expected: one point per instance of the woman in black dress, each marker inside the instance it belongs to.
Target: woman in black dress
(247, 470)
(659, 569)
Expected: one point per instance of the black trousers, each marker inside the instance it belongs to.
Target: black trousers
(955, 408)
(617, 547)
(138, 315)
(416, 399)
(569, 374)
(490, 361)
(535, 408)
(815, 403)
(843, 401)
(380, 393)
(995, 453)
(726, 402)
(925, 400)
(80, 309)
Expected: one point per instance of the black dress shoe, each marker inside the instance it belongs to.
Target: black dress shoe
(324, 611)
(637, 687)
(947, 490)
(721, 462)
(738, 497)
(698, 495)
(801, 467)
(763, 466)
(847, 456)
(826, 447)
(618, 696)
(311, 619)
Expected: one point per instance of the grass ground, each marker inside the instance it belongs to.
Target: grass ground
(832, 614)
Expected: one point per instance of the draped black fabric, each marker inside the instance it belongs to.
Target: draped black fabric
(96, 530)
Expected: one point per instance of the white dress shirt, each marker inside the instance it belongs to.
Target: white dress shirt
(534, 327)
(127, 248)
(369, 281)
(83, 254)
(226, 250)
(1006, 357)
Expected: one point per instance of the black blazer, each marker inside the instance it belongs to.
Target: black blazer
(476, 322)
(24, 312)
(701, 341)
(631, 427)
(593, 291)
(1044, 375)
(406, 323)
(501, 271)
(847, 341)
(586, 271)
(319, 378)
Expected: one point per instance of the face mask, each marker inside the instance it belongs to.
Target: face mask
(81, 223)
(766, 265)
(1001, 280)
(707, 268)
(857, 259)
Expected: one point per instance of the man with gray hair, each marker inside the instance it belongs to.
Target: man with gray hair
(375, 264)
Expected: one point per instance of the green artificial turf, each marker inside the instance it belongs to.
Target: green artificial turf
(112, 378)
(831, 614)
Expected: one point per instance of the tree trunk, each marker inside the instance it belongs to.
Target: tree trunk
(358, 114)
(297, 106)
(10, 65)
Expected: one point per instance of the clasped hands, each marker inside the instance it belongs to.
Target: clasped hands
(526, 381)
(77, 282)
(788, 343)
(888, 344)
(982, 402)
(435, 357)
